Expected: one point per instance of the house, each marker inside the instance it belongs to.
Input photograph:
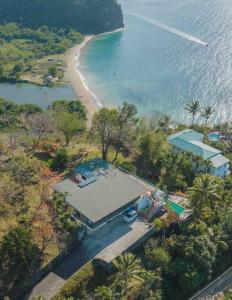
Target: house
(98, 192)
(190, 141)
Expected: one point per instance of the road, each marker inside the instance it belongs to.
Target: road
(220, 284)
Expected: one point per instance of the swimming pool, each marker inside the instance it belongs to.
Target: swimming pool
(214, 136)
(175, 207)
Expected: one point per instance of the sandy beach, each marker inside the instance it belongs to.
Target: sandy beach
(74, 76)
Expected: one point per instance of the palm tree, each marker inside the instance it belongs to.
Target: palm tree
(150, 278)
(165, 123)
(128, 268)
(204, 192)
(193, 108)
(207, 113)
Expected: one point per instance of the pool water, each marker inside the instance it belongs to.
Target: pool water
(214, 136)
(175, 207)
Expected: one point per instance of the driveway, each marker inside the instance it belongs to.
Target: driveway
(105, 244)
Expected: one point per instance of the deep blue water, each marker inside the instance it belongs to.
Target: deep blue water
(159, 69)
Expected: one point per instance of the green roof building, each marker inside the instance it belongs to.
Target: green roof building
(190, 141)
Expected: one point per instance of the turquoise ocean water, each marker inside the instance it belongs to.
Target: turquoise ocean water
(160, 61)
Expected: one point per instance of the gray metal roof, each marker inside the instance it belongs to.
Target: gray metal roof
(219, 160)
(66, 186)
(106, 195)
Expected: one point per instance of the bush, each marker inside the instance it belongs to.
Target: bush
(83, 283)
(60, 161)
(76, 286)
(128, 166)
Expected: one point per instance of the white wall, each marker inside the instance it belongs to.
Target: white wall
(221, 171)
(143, 202)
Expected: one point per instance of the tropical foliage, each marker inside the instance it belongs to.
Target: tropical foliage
(38, 147)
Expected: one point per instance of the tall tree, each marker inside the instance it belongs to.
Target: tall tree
(165, 123)
(70, 125)
(153, 149)
(204, 193)
(39, 126)
(103, 126)
(193, 108)
(125, 131)
(128, 269)
(18, 258)
(23, 170)
(207, 113)
(158, 257)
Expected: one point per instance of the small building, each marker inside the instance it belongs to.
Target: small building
(190, 141)
(98, 192)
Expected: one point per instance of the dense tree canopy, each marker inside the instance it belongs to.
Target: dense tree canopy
(83, 15)
(18, 257)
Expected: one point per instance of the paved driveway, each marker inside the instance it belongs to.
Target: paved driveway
(106, 244)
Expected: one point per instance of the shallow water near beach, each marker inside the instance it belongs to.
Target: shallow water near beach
(161, 60)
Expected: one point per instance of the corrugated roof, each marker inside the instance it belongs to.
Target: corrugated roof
(206, 150)
(190, 141)
(106, 195)
(219, 160)
(187, 135)
(66, 186)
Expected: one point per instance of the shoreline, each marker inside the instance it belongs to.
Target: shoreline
(74, 76)
(77, 80)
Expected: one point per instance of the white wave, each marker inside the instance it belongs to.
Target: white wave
(83, 79)
(113, 31)
(171, 29)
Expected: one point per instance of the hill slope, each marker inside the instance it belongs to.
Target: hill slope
(86, 16)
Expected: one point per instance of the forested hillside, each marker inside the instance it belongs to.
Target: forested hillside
(86, 16)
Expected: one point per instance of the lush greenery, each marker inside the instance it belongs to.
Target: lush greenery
(22, 51)
(38, 148)
(85, 16)
(35, 225)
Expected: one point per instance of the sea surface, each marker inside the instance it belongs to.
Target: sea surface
(171, 52)
(29, 93)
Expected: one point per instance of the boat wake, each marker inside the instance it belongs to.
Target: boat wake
(171, 29)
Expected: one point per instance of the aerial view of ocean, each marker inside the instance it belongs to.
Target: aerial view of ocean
(170, 52)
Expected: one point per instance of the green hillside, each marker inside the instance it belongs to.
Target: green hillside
(86, 16)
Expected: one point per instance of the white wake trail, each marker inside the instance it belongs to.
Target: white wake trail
(171, 29)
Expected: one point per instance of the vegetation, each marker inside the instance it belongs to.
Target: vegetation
(85, 16)
(24, 53)
(38, 148)
(193, 108)
(115, 128)
(18, 257)
(35, 226)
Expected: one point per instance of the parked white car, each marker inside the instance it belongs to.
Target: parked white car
(130, 216)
